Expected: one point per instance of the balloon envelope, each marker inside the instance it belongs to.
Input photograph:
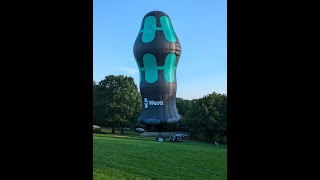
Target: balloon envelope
(157, 51)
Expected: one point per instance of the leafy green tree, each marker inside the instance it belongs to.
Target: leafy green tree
(222, 109)
(194, 118)
(183, 106)
(98, 105)
(123, 100)
(207, 117)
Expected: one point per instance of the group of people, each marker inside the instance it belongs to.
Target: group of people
(160, 138)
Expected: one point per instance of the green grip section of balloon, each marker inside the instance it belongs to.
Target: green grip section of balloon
(149, 29)
(167, 29)
(169, 67)
(150, 68)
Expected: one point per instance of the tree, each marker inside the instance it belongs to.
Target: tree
(122, 100)
(207, 117)
(98, 105)
(183, 107)
(222, 108)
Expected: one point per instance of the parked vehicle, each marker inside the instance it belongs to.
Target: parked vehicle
(95, 126)
(139, 130)
(178, 138)
(96, 129)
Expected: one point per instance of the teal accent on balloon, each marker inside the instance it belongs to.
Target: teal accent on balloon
(167, 29)
(150, 66)
(169, 67)
(160, 67)
(157, 28)
(149, 29)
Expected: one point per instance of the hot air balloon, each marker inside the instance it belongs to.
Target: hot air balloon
(157, 51)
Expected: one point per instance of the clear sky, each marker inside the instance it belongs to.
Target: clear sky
(201, 26)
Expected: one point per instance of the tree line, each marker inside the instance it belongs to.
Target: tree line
(117, 104)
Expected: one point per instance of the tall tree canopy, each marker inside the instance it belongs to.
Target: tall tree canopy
(183, 107)
(207, 117)
(120, 99)
(99, 100)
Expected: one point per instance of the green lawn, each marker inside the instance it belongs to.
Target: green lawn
(133, 157)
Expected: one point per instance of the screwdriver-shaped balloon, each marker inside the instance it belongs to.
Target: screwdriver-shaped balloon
(157, 51)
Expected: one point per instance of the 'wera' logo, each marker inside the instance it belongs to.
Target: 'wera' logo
(152, 103)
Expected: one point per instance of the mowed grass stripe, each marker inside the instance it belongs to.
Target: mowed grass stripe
(145, 158)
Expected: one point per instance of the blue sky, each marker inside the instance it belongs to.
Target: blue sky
(201, 26)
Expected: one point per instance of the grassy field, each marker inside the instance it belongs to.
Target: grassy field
(133, 157)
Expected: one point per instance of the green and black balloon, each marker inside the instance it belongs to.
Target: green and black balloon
(157, 51)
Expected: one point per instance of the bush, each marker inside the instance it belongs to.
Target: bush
(97, 130)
